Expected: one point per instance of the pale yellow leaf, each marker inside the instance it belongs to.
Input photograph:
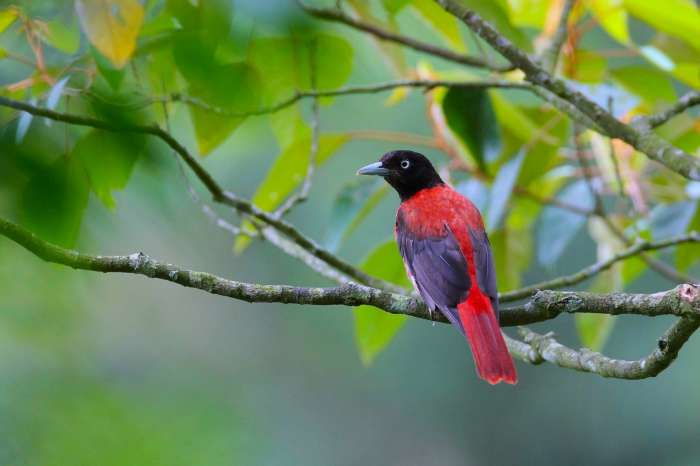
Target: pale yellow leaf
(112, 26)
(612, 17)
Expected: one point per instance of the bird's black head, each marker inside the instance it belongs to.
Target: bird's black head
(407, 171)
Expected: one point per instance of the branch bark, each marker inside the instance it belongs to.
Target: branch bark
(537, 348)
(688, 100)
(683, 301)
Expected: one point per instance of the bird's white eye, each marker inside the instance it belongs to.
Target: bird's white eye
(405, 164)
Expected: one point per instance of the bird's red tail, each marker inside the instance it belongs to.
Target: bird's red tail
(493, 362)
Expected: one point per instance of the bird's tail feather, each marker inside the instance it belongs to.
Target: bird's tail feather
(493, 362)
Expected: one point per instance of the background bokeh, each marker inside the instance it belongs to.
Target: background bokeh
(116, 370)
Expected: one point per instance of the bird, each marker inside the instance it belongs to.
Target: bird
(448, 257)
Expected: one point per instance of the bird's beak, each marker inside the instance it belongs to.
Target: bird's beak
(375, 168)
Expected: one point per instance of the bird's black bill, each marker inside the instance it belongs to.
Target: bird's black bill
(375, 168)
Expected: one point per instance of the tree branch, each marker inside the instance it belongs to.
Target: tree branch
(337, 16)
(218, 193)
(646, 142)
(548, 304)
(425, 84)
(538, 348)
(349, 294)
(594, 269)
(684, 103)
(681, 301)
(550, 55)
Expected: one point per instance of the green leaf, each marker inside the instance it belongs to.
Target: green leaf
(528, 13)
(234, 87)
(470, 116)
(654, 88)
(288, 172)
(392, 7)
(208, 21)
(374, 329)
(113, 75)
(285, 63)
(594, 329)
(391, 54)
(513, 118)
(62, 36)
(557, 227)
(352, 204)
(688, 73)
(512, 250)
(632, 269)
(289, 169)
(112, 26)
(502, 189)
(54, 200)
(108, 159)
(7, 17)
(444, 23)
(612, 17)
(678, 18)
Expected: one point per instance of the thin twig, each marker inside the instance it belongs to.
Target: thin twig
(688, 100)
(338, 16)
(594, 269)
(550, 55)
(218, 193)
(208, 211)
(343, 91)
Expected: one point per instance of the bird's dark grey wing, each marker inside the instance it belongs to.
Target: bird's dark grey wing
(438, 269)
(485, 268)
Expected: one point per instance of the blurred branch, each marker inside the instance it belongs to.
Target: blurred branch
(550, 55)
(338, 16)
(537, 348)
(348, 90)
(595, 269)
(683, 301)
(684, 103)
(218, 193)
(644, 141)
